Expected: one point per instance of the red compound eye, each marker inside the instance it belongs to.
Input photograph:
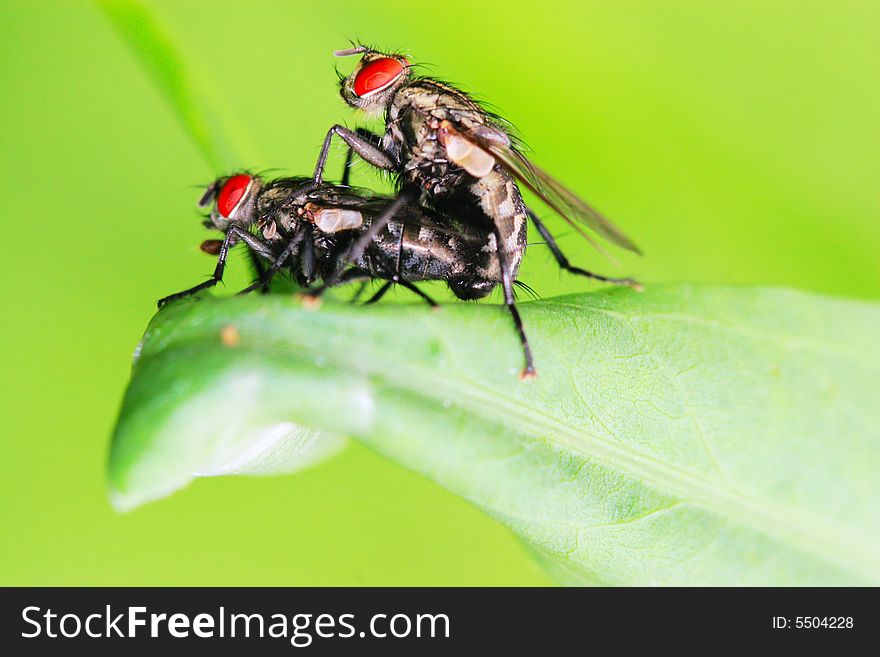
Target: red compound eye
(231, 194)
(376, 75)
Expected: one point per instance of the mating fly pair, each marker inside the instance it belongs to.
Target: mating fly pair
(457, 170)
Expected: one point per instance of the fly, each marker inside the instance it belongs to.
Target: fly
(313, 232)
(450, 154)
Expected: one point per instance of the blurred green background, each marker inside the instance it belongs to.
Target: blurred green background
(738, 142)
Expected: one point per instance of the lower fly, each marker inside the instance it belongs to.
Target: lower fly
(339, 234)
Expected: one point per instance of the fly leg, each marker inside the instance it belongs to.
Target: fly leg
(353, 276)
(380, 293)
(288, 252)
(308, 259)
(234, 234)
(412, 288)
(409, 286)
(261, 281)
(528, 371)
(567, 266)
(357, 249)
(360, 292)
(312, 299)
(346, 168)
(349, 155)
(360, 144)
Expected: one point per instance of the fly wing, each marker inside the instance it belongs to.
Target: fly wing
(565, 202)
(415, 215)
(559, 197)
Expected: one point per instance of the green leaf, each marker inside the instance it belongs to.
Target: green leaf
(687, 435)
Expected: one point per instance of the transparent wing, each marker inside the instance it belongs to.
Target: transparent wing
(565, 202)
(559, 197)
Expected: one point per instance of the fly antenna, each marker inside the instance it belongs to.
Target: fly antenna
(357, 50)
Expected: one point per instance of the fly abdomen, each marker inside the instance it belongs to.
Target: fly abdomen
(501, 201)
(411, 251)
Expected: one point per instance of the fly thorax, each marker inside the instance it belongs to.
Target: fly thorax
(412, 129)
(285, 222)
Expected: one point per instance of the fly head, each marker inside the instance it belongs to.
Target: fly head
(233, 200)
(374, 81)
